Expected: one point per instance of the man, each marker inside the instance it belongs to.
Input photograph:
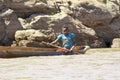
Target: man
(67, 39)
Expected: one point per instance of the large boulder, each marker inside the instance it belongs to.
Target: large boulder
(95, 22)
(116, 43)
(34, 35)
(115, 25)
(24, 8)
(93, 13)
(11, 22)
(9, 25)
(57, 21)
(27, 43)
(100, 16)
(32, 38)
(1, 5)
(2, 31)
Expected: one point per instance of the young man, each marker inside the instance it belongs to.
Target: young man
(67, 39)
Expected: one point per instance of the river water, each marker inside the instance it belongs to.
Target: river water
(96, 66)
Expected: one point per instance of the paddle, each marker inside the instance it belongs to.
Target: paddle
(54, 45)
(59, 47)
(51, 44)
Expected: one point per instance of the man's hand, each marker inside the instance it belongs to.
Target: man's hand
(72, 48)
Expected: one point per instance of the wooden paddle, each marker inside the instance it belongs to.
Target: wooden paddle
(60, 47)
(51, 44)
(54, 45)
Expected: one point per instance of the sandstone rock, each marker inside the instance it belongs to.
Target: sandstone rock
(11, 22)
(95, 22)
(100, 16)
(97, 43)
(32, 38)
(113, 6)
(2, 31)
(25, 8)
(26, 43)
(9, 25)
(115, 25)
(92, 14)
(56, 22)
(34, 22)
(116, 43)
(102, 1)
(105, 32)
(34, 35)
(1, 5)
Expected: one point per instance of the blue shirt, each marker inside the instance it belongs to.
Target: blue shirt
(67, 41)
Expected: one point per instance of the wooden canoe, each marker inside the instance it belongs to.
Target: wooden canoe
(11, 52)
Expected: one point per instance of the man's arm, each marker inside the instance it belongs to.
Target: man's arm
(55, 41)
(74, 43)
(58, 38)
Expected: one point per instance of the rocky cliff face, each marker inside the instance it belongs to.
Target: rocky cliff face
(95, 22)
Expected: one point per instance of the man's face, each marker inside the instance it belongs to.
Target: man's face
(65, 31)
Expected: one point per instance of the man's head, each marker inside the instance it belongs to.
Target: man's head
(65, 30)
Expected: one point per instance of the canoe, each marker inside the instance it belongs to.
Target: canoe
(13, 52)
(10, 52)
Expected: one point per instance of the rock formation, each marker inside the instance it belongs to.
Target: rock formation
(116, 43)
(95, 22)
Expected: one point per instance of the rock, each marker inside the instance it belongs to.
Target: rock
(24, 8)
(95, 22)
(11, 22)
(86, 10)
(106, 32)
(100, 16)
(26, 43)
(116, 43)
(34, 22)
(33, 36)
(97, 43)
(2, 31)
(1, 5)
(102, 1)
(9, 25)
(115, 25)
(56, 22)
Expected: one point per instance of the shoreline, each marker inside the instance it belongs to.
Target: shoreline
(102, 50)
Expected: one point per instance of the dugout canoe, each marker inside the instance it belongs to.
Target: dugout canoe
(13, 52)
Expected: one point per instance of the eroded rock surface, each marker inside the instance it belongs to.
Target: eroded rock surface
(95, 22)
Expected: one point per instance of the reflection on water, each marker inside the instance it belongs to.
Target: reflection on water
(74, 67)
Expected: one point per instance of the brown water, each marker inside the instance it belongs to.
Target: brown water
(96, 66)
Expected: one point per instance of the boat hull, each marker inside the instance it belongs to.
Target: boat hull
(12, 52)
